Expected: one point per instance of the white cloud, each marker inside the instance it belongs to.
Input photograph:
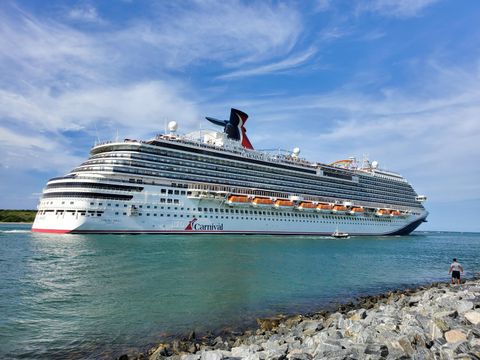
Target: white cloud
(136, 110)
(63, 79)
(232, 33)
(281, 66)
(35, 151)
(396, 8)
(85, 13)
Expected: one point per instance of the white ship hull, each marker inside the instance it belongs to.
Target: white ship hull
(188, 216)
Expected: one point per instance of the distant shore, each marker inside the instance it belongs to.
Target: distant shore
(17, 216)
(433, 321)
(16, 222)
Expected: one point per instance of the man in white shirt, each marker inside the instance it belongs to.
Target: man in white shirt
(455, 269)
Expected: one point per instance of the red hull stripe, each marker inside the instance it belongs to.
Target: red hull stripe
(192, 232)
(51, 231)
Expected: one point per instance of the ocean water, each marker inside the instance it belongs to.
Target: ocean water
(98, 296)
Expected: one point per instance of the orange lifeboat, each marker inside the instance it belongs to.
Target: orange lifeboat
(383, 212)
(283, 204)
(339, 209)
(395, 213)
(238, 200)
(307, 206)
(325, 208)
(259, 201)
(357, 210)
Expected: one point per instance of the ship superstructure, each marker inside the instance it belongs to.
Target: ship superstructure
(215, 182)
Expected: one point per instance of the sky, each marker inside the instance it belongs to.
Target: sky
(394, 80)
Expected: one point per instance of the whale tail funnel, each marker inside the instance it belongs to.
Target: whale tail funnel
(235, 127)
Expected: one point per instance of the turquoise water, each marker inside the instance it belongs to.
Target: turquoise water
(70, 296)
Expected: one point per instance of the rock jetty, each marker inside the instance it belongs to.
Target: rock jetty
(440, 321)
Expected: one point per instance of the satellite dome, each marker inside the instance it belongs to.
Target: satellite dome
(375, 164)
(296, 151)
(172, 126)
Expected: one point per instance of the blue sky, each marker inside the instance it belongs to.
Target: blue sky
(397, 80)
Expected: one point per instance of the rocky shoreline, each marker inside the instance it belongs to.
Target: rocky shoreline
(439, 321)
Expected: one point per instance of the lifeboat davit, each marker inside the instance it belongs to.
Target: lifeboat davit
(238, 200)
(283, 204)
(324, 208)
(262, 202)
(382, 212)
(357, 210)
(306, 206)
(339, 209)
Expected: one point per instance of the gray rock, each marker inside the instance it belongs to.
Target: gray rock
(190, 357)
(310, 327)
(240, 351)
(298, 354)
(406, 345)
(473, 317)
(375, 349)
(464, 306)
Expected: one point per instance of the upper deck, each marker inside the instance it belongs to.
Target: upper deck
(217, 143)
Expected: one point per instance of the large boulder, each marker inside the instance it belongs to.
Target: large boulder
(454, 336)
(464, 306)
(473, 317)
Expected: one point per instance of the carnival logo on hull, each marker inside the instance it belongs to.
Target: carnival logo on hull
(194, 226)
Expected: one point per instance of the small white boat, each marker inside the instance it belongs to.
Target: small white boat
(340, 235)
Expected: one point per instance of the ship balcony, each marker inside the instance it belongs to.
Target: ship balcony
(421, 198)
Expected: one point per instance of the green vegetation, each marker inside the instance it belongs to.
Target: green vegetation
(17, 215)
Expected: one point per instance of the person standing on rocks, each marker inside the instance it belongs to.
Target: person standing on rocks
(455, 269)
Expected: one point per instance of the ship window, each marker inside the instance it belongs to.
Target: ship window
(221, 210)
(116, 205)
(148, 214)
(211, 210)
(175, 201)
(124, 213)
(99, 214)
(162, 200)
(109, 204)
(100, 204)
(71, 202)
(176, 192)
(124, 205)
(116, 213)
(148, 206)
(154, 214)
(216, 210)
(155, 207)
(170, 191)
(182, 192)
(169, 201)
(139, 214)
(163, 191)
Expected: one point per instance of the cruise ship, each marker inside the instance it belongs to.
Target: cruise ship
(214, 182)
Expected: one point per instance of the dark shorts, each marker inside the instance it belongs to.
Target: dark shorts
(456, 274)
